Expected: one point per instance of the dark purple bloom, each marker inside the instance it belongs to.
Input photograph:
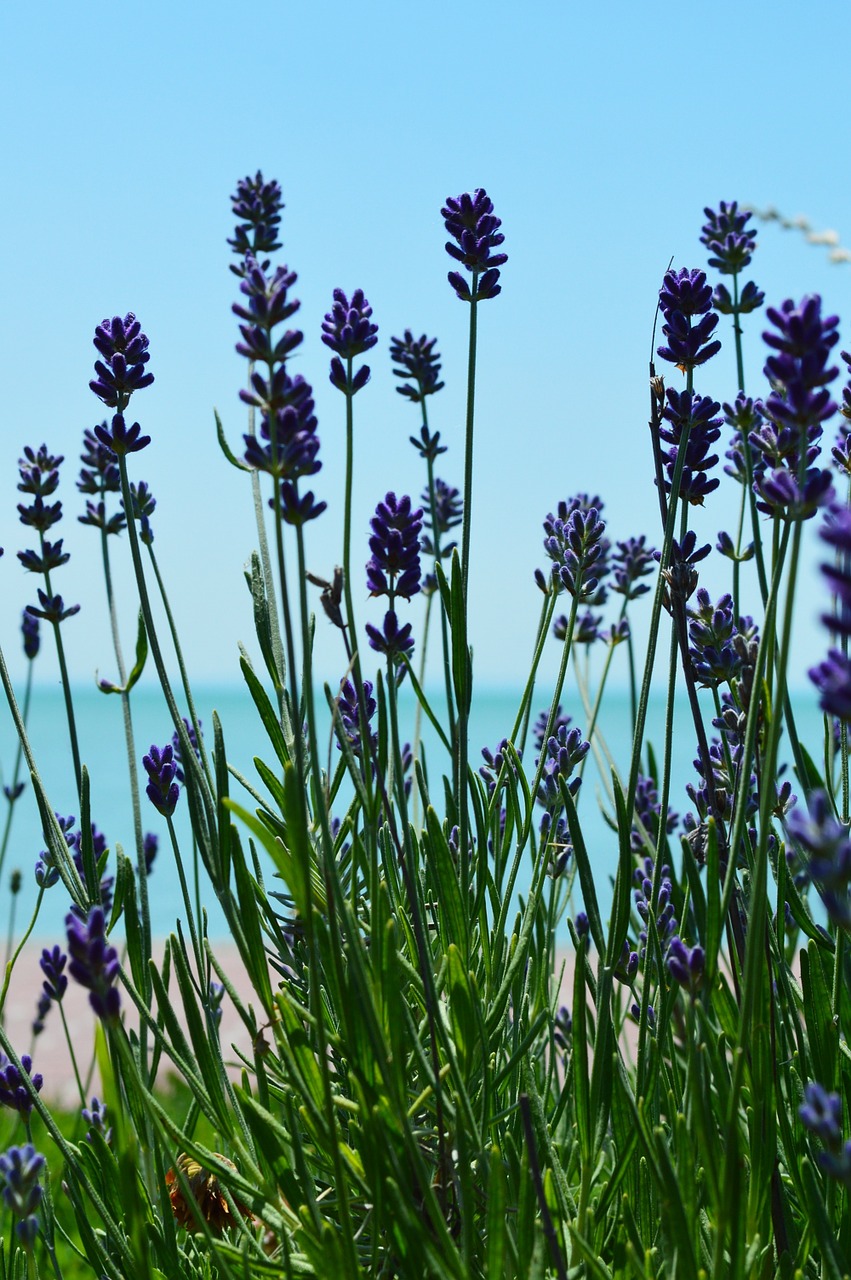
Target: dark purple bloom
(582, 926)
(648, 812)
(258, 205)
(681, 574)
(686, 964)
(684, 296)
(178, 750)
(162, 790)
(750, 299)
(617, 633)
(268, 305)
(22, 1193)
(347, 701)
(832, 678)
(417, 359)
(427, 444)
(52, 966)
(632, 560)
(95, 1117)
(540, 726)
(150, 847)
(576, 544)
(565, 750)
(798, 371)
(99, 473)
(587, 629)
(121, 371)
(494, 761)
(43, 1007)
(29, 630)
(562, 1027)
(94, 962)
(39, 472)
(690, 416)
(348, 330)
(711, 629)
(97, 517)
(288, 445)
(821, 1113)
(446, 515)
(836, 532)
(50, 557)
(826, 845)
(14, 1093)
(627, 966)
(392, 640)
(394, 567)
(143, 504)
(744, 417)
(297, 509)
(52, 608)
(728, 238)
(121, 439)
(470, 220)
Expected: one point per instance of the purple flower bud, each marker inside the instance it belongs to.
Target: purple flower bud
(416, 358)
(392, 640)
(29, 630)
(52, 966)
(470, 220)
(258, 205)
(95, 1117)
(821, 1113)
(162, 790)
(124, 349)
(684, 296)
(394, 568)
(93, 962)
(14, 1093)
(22, 1193)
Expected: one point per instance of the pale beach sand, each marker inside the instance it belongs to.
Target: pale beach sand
(50, 1051)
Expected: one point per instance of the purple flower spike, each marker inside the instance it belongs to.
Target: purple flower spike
(124, 349)
(14, 1094)
(53, 967)
(52, 608)
(348, 330)
(29, 630)
(683, 298)
(258, 205)
(728, 238)
(688, 413)
(288, 444)
(178, 750)
(121, 439)
(821, 1113)
(392, 640)
(416, 358)
(347, 701)
(686, 964)
(799, 371)
(22, 1193)
(94, 963)
(162, 790)
(470, 220)
(394, 569)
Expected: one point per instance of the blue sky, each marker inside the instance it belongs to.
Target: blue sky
(600, 131)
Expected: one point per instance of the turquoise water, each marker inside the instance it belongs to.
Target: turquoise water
(103, 752)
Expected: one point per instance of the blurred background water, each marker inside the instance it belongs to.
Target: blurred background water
(103, 752)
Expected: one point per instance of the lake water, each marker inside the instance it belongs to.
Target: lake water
(103, 752)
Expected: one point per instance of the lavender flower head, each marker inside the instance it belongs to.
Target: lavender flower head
(14, 1094)
(576, 544)
(347, 701)
(348, 330)
(94, 962)
(29, 630)
(826, 846)
(470, 221)
(802, 340)
(121, 371)
(690, 417)
(416, 358)
(392, 640)
(22, 1193)
(258, 205)
(162, 790)
(267, 305)
(686, 297)
(731, 243)
(394, 568)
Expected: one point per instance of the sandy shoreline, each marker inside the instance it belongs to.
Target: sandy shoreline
(50, 1051)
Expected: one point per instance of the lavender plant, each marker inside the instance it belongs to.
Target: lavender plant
(428, 1089)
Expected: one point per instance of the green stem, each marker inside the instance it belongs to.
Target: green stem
(16, 772)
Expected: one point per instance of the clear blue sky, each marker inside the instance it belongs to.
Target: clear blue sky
(600, 131)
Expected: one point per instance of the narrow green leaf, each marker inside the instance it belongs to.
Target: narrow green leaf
(496, 1221)
(819, 1016)
(452, 918)
(225, 447)
(267, 712)
(582, 1098)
